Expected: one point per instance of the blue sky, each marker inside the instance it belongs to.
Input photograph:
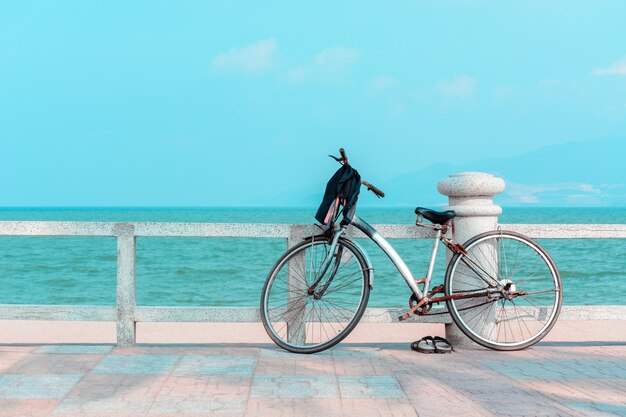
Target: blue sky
(228, 103)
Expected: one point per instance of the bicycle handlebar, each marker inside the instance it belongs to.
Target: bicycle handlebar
(379, 193)
(343, 156)
(344, 161)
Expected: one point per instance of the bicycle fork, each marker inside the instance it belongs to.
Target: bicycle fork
(326, 264)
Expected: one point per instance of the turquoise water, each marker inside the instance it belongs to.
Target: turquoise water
(231, 272)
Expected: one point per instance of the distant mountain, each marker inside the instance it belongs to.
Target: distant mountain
(589, 173)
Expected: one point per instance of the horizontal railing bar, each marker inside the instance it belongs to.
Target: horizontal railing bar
(197, 314)
(268, 230)
(56, 312)
(569, 231)
(371, 315)
(246, 230)
(19, 228)
(251, 314)
(593, 313)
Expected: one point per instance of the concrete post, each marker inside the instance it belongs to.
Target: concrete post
(125, 293)
(296, 303)
(470, 195)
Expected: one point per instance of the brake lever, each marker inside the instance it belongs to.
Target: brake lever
(337, 159)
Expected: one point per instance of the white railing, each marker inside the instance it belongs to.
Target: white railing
(127, 314)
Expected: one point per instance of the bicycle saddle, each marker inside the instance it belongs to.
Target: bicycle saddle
(438, 217)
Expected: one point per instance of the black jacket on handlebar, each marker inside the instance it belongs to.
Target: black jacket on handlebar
(345, 184)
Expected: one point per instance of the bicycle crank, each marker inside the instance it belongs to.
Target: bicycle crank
(418, 308)
(421, 310)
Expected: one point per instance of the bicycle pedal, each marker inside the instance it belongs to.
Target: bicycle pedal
(412, 310)
(404, 316)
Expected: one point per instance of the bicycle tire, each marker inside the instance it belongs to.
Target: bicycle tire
(317, 336)
(506, 325)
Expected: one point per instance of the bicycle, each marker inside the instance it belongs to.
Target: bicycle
(501, 288)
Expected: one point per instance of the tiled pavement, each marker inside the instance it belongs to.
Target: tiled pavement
(377, 380)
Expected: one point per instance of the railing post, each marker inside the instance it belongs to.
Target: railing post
(125, 293)
(296, 330)
(470, 195)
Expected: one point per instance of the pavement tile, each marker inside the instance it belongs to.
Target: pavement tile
(279, 366)
(100, 386)
(198, 414)
(198, 386)
(355, 366)
(558, 369)
(76, 349)
(37, 386)
(26, 408)
(9, 359)
(94, 414)
(136, 364)
(276, 352)
(267, 386)
(275, 407)
(433, 397)
(215, 350)
(309, 365)
(599, 408)
(215, 406)
(336, 352)
(377, 407)
(301, 407)
(312, 365)
(315, 407)
(369, 387)
(103, 406)
(215, 365)
(355, 353)
(35, 364)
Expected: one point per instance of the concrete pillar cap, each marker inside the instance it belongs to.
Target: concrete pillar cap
(471, 184)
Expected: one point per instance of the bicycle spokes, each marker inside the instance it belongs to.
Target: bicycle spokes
(310, 305)
(516, 291)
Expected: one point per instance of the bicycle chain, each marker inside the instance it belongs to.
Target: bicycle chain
(460, 309)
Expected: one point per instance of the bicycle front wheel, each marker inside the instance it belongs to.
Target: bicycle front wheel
(506, 291)
(304, 317)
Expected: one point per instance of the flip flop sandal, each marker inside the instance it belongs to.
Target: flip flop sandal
(425, 345)
(442, 345)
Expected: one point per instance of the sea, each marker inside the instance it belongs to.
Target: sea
(231, 272)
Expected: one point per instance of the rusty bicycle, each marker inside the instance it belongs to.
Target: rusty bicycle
(501, 288)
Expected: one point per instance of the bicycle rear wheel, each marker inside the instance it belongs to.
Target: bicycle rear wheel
(301, 320)
(509, 291)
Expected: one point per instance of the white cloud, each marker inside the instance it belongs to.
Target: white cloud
(550, 82)
(254, 58)
(329, 63)
(528, 199)
(612, 186)
(582, 193)
(588, 188)
(504, 91)
(462, 86)
(527, 193)
(617, 68)
(382, 83)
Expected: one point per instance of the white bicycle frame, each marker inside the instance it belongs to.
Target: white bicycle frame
(395, 258)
